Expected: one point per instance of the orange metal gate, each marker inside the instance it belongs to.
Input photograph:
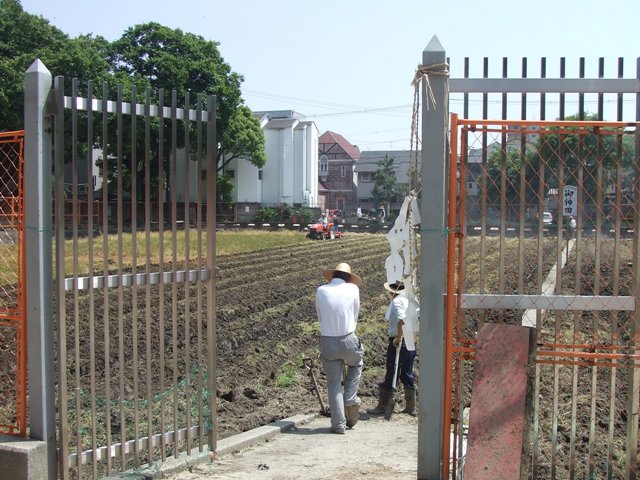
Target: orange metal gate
(13, 334)
(542, 229)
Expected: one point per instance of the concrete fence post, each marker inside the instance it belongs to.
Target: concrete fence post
(432, 265)
(39, 268)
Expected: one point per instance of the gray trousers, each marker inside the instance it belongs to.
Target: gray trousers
(335, 353)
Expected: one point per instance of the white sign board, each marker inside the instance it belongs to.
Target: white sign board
(569, 201)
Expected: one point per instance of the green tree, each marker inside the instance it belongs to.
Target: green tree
(386, 188)
(151, 57)
(25, 38)
(169, 59)
(555, 153)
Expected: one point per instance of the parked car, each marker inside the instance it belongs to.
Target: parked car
(547, 218)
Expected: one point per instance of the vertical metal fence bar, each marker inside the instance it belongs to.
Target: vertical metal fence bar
(633, 372)
(135, 373)
(161, 311)
(106, 321)
(451, 192)
(598, 267)
(212, 152)
(483, 193)
(147, 235)
(535, 449)
(21, 396)
(503, 195)
(90, 255)
(460, 361)
(187, 303)
(63, 397)
(120, 211)
(600, 95)
(199, 266)
(523, 217)
(615, 325)
(577, 315)
(74, 252)
(174, 263)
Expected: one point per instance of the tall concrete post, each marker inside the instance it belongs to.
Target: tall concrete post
(39, 277)
(432, 265)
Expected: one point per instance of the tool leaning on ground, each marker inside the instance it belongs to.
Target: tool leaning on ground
(308, 363)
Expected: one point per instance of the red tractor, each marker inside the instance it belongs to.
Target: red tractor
(317, 231)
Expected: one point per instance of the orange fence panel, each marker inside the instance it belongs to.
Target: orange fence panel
(13, 334)
(543, 234)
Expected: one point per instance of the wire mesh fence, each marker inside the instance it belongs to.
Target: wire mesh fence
(547, 238)
(13, 367)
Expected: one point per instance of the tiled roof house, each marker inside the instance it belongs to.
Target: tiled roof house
(336, 172)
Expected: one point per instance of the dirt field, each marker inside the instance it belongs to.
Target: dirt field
(267, 321)
(267, 324)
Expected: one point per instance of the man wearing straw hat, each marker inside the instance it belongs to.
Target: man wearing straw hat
(399, 359)
(338, 304)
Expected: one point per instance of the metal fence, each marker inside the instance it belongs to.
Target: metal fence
(133, 299)
(13, 339)
(572, 278)
(495, 210)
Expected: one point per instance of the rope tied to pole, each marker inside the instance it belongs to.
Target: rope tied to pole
(423, 72)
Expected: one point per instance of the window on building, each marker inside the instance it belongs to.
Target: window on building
(324, 165)
(343, 171)
(365, 177)
(259, 174)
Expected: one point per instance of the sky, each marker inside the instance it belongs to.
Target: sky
(347, 65)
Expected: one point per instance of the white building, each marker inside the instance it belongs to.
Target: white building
(290, 174)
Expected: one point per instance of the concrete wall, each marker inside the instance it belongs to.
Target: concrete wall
(22, 458)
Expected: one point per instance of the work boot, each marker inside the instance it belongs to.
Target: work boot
(384, 394)
(352, 413)
(390, 404)
(410, 401)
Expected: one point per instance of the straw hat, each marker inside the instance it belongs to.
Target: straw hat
(341, 267)
(395, 287)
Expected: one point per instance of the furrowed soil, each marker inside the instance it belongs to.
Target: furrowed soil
(267, 324)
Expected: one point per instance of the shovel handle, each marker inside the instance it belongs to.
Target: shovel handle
(308, 363)
(395, 368)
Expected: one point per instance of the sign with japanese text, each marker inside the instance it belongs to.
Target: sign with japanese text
(570, 201)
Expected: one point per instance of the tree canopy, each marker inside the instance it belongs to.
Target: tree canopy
(149, 56)
(386, 188)
(578, 156)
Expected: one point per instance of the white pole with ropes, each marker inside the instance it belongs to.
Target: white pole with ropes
(433, 78)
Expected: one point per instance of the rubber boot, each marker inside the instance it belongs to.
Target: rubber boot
(410, 401)
(390, 405)
(384, 394)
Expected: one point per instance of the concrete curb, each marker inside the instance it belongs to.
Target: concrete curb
(226, 446)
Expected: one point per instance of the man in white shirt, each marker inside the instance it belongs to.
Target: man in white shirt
(396, 315)
(338, 304)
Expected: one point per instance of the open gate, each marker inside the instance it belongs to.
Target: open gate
(134, 198)
(544, 234)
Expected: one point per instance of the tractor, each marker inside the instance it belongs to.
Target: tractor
(319, 232)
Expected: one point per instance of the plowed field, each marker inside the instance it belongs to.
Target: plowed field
(267, 323)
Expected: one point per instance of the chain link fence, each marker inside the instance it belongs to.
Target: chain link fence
(12, 296)
(547, 238)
